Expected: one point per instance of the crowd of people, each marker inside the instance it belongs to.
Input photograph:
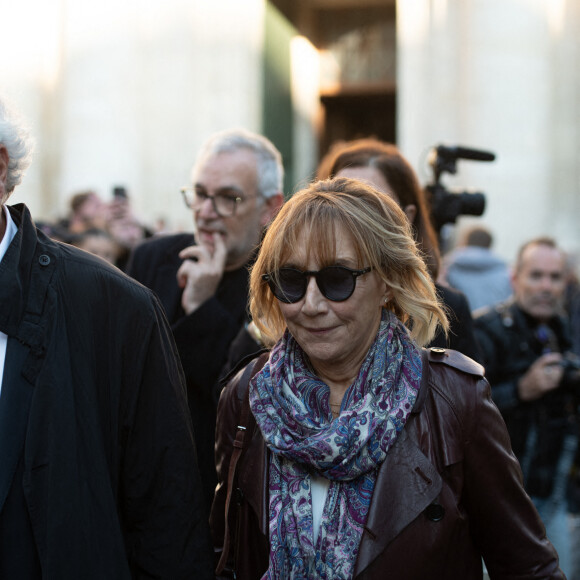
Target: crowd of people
(108, 229)
(299, 388)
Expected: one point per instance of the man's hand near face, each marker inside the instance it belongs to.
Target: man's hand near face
(201, 272)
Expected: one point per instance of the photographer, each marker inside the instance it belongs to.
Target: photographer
(525, 346)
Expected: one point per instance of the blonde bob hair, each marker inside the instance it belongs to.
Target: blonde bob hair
(381, 236)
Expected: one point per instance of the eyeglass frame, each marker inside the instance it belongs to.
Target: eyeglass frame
(188, 189)
(269, 278)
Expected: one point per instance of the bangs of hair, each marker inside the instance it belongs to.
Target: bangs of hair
(315, 225)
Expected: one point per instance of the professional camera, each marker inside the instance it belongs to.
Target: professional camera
(446, 205)
(571, 365)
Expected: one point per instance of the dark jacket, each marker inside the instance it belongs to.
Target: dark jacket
(448, 493)
(509, 344)
(203, 337)
(95, 438)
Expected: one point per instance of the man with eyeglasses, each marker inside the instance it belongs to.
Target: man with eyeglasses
(202, 278)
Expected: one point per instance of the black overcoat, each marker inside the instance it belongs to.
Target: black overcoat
(101, 447)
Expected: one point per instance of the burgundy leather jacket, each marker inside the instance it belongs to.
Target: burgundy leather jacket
(449, 492)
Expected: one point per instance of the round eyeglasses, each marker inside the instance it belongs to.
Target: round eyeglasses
(224, 203)
(337, 283)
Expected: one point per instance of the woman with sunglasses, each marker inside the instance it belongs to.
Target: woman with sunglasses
(382, 165)
(351, 452)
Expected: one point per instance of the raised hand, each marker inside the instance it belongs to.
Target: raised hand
(201, 272)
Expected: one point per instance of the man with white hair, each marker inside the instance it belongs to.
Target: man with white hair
(202, 279)
(98, 475)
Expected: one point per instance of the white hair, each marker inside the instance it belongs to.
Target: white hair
(269, 168)
(15, 137)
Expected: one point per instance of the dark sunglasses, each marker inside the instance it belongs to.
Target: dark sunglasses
(336, 283)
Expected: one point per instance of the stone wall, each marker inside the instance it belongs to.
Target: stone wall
(498, 75)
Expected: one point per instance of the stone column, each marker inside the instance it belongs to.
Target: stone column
(124, 93)
(497, 75)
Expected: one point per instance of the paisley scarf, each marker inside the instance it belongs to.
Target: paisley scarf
(291, 406)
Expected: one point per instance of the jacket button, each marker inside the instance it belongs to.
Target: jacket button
(44, 260)
(437, 350)
(435, 512)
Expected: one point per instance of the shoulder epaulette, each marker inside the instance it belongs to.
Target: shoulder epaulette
(455, 359)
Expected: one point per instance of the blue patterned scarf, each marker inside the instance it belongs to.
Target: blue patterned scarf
(291, 406)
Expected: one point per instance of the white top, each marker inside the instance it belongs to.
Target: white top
(11, 230)
(319, 489)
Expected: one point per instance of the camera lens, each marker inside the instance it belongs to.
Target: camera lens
(472, 203)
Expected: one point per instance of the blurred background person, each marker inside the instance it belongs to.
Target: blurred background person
(98, 242)
(526, 347)
(124, 226)
(572, 301)
(55, 231)
(367, 456)
(476, 271)
(382, 165)
(86, 211)
(89, 213)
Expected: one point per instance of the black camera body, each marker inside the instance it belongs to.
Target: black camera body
(447, 206)
(571, 363)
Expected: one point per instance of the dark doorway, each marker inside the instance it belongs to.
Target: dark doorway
(355, 115)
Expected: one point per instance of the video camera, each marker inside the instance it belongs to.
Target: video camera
(446, 205)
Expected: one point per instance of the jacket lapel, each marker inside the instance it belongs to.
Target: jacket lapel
(14, 407)
(406, 484)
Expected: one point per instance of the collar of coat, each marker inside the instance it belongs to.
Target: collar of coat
(25, 273)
